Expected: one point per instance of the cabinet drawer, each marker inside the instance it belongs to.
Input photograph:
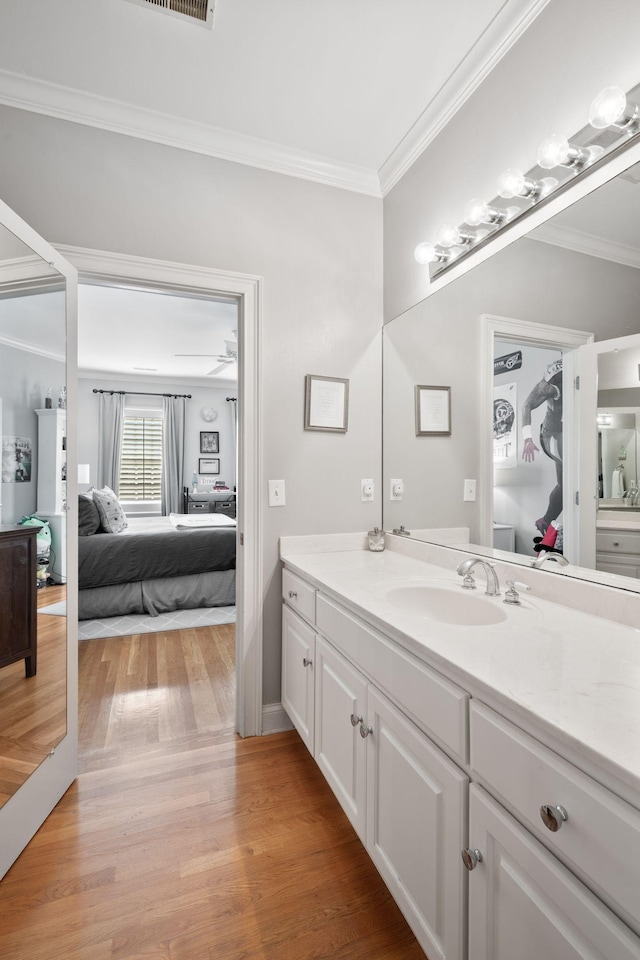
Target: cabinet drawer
(198, 506)
(614, 541)
(299, 595)
(436, 704)
(600, 840)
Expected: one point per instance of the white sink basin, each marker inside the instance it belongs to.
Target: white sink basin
(446, 604)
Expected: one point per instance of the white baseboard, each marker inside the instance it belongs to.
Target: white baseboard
(275, 719)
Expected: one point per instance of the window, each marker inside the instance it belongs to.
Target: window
(141, 457)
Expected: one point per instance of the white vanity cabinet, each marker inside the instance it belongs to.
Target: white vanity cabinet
(405, 798)
(618, 551)
(524, 904)
(298, 655)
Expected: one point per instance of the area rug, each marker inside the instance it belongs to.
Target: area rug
(139, 623)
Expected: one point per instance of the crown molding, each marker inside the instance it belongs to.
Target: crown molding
(32, 348)
(503, 32)
(76, 106)
(587, 243)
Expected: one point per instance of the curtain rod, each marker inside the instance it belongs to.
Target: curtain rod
(232, 399)
(135, 393)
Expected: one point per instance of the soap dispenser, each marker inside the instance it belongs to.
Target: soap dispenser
(376, 539)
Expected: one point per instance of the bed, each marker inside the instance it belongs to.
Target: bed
(156, 565)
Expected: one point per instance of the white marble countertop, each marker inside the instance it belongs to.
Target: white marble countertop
(575, 675)
(618, 519)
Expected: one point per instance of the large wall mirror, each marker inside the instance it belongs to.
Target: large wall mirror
(572, 278)
(33, 714)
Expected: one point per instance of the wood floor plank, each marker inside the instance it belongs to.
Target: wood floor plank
(180, 841)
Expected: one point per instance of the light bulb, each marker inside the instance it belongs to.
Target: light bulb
(425, 252)
(553, 152)
(477, 212)
(448, 236)
(610, 109)
(556, 151)
(511, 183)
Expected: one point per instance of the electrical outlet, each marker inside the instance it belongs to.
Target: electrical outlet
(396, 489)
(367, 490)
(469, 490)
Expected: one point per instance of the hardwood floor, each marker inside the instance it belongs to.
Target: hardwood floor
(180, 841)
(33, 709)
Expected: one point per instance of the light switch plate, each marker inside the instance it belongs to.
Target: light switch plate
(396, 489)
(367, 490)
(469, 490)
(276, 493)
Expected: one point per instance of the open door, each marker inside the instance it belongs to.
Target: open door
(605, 366)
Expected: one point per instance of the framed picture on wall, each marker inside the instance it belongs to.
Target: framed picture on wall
(326, 403)
(209, 441)
(433, 411)
(206, 466)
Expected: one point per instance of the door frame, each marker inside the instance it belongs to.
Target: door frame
(540, 335)
(112, 269)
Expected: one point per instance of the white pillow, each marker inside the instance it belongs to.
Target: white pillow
(112, 517)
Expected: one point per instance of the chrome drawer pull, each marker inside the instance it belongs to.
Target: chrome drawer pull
(553, 817)
(365, 731)
(293, 595)
(355, 720)
(471, 858)
(306, 662)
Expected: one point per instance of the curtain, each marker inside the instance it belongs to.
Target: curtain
(110, 423)
(174, 410)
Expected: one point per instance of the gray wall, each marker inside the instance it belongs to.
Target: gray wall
(319, 251)
(544, 85)
(24, 379)
(200, 396)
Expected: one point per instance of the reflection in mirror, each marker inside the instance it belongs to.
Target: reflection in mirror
(580, 271)
(32, 512)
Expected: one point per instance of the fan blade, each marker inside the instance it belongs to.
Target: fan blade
(215, 370)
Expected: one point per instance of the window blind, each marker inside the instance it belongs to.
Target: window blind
(141, 459)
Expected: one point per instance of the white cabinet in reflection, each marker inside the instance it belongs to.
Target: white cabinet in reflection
(52, 485)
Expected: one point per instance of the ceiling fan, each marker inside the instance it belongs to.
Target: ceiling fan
(231, 356)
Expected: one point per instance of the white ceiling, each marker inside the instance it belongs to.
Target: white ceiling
(134, 333)
(344, 91)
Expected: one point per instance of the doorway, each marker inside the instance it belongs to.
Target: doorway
(161, 277)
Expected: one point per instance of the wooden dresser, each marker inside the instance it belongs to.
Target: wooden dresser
(18, 633)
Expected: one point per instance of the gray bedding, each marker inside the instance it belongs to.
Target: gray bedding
(151, 548)
(154, 597)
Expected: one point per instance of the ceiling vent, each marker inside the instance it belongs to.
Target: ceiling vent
(196, 11)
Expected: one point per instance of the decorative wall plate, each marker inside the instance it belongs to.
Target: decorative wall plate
(208, 414)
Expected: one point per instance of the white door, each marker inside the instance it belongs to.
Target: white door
(525, 905)
(416, 816)
(298, 655)
(340, 747)
(619, 353)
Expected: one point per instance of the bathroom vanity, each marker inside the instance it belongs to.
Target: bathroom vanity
(487, 755)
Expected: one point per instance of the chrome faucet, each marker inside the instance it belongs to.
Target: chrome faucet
(555, 557)
(465, 568)
(632, 495)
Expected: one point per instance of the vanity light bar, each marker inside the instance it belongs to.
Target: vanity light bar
(614, 115)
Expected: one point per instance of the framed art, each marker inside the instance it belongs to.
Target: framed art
(326, 404)
(208, 466)
(209, 441)
(433, 411)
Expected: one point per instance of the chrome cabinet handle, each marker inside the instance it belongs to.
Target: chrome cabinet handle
(616, 543)
(365, 731)
(355, 720)
(471, 858)
(293, 595)
(306, 662)
(553, 817)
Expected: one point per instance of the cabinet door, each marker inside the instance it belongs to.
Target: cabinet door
(416, 817)
(340, 750)
(298, 654)
(524, 904)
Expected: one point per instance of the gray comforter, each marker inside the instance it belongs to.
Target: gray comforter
(150, 548)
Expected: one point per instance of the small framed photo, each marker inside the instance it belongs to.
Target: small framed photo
(209, 441)
(326, 404)
(206, 466)
(433, 411)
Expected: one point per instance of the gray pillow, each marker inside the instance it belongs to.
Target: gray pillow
(88, 516)
(112, 517)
